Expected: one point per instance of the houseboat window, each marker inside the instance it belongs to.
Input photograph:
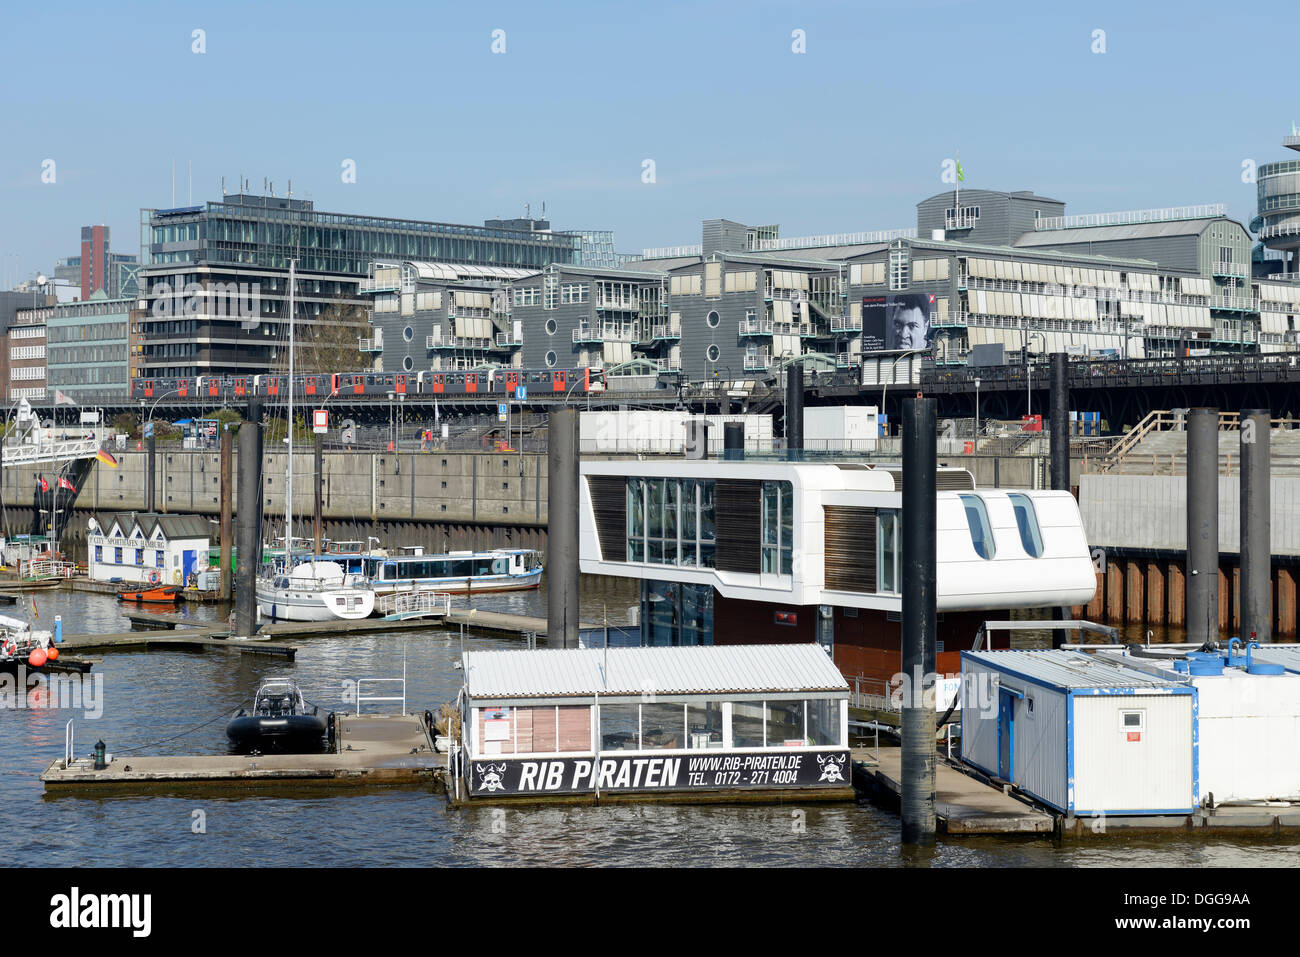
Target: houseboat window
(620, 728)
(670, 521)
(778, 528)
(543, 729)
(747, 719)
(676, 613)
(664, 613)
(1027, 522)
(785, 723)
(704, 724)
(663, 726)
(824, 722)
(574, 727)
(887, 551)
(977, 517)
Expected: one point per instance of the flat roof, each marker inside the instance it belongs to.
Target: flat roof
(704, 669)
(1068, 669)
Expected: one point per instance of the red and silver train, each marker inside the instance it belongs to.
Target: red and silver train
(487, 382)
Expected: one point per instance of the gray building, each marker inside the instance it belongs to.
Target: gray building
(1278, 221)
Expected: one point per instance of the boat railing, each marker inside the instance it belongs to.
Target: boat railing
(871, 693)
(46, 568)
(375, 699)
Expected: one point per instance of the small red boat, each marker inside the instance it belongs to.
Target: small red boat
(165, 594)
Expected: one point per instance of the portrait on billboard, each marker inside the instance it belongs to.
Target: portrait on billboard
(897, 322)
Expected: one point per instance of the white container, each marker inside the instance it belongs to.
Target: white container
(847, 428)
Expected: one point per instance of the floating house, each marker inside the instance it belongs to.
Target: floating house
(698, 724)
(747, 552)
(146, 547)
(1080, 734)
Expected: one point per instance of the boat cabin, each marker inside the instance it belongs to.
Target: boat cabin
(738, 723)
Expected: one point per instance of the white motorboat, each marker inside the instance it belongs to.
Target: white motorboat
(313, 591)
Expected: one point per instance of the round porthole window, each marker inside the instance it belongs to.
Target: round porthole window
(550, 360)
(713, 319)
(408, 333)
(550, 327)
(407, 364)
(712, 353)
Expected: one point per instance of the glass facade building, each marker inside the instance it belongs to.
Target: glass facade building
(87, 348)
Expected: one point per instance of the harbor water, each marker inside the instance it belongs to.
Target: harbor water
(150, 698)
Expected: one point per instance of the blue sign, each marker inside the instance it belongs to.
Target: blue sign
(148, 430)
(521, 392)
(501, 408)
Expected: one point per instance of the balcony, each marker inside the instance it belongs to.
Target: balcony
(670, 365)
(758, 362)
(755, 327)
(618, 305)
(666, 330)
(960, 221)
(846, 324)
(586, 333)
(370, 345)
(378, 285)
(1230, 269)
(508, 340)
(847, 360)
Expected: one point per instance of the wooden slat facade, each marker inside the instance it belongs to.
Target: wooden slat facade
(850, 535)
(738, 509)
(609, 506)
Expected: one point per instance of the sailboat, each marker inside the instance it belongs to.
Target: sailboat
(314, 590)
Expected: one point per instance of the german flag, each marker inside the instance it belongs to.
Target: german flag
(107, 459)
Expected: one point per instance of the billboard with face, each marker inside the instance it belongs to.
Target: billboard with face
(898, 321)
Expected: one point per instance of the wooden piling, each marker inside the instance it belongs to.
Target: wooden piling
(1155, 582)
(1176, 586)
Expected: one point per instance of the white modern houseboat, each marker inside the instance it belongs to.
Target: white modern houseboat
(502, 569)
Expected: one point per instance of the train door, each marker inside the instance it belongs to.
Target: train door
(148, 388)
(471, 381)
(241, 386)
(401, 383)
(183, 388)
(437, 383)
(557, 382)
(358, 384)
(309, 385)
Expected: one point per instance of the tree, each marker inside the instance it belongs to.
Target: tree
(328, 343)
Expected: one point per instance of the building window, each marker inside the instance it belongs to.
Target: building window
(550, 327)
(551, 359)
(712, 353)
(408, 333)
(977, 517)
(671, 522)
(1027, 522)
(778, 528)
(99, 553)
(888, 552)
(713, 319)
(898, 266)
(407, 364)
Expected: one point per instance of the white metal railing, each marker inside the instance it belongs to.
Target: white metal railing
(672, 252)
(960, 221)
(406, 602)
(587, 334)
(45, 568)
(375, 699)
(369, 345)
(69, 744)
(1231, 269)
(620, 333)
(757, 362)
(794, 295)
(508, 339)
(611, 302)
(1127, 217)
(835, 239)
(756, 327)
(846, 324)
(29, 453)
(671, 365)
(666, 330)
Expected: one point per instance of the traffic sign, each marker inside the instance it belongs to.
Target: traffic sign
(501, 411)
(521, 393)
(148, 430)
(320, 421)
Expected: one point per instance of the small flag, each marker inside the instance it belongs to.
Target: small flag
(961, 173)
(64, 483)
(62, 398)
(35, 613)
(107, 459)
(45, 486)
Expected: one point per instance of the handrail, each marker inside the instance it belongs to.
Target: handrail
(69, 744)
(377, 698)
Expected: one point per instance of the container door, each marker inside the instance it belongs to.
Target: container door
(1006, 735)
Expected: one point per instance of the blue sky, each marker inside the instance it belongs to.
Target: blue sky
(847, 136)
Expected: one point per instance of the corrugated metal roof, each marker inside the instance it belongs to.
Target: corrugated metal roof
(1070, 669)
(583, 672)
(1102, 234)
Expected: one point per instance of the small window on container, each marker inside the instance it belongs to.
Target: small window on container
(1027, 522)
(977, 517)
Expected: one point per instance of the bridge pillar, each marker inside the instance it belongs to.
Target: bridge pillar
(1203, 592)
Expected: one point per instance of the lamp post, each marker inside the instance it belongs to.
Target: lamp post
(976, 448)
(1029, 373)
(884, 386)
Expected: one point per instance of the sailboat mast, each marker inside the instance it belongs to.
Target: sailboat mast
(288, 482)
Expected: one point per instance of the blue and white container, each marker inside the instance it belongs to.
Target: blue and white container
(1082, 735)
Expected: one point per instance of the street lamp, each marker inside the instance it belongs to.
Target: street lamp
(1029, 372)
(975, 450)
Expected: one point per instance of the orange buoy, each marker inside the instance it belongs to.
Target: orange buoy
(37, 657)
(52, 653)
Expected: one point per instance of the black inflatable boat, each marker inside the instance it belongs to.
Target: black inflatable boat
(281, 720)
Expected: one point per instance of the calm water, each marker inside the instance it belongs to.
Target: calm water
(149, 696)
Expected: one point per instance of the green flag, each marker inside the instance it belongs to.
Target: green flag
(961, 174)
